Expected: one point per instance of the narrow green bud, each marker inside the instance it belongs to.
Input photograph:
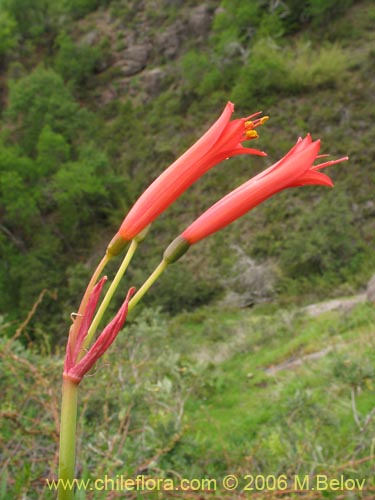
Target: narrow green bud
(116, 245)
(176, 249)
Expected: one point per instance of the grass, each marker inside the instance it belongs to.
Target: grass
(317, 417)
(242, 411)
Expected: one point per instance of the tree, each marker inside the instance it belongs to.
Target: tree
(8, 33)
(40, 99)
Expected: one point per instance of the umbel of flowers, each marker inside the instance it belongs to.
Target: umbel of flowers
(223, 140)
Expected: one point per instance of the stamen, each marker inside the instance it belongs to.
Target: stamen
(250, 117)
(251, 124)
(251, 134)
(329, 163)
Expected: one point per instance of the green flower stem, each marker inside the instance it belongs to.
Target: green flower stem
(94, 278)
(147, 284)
(111, 290)
(70, 389)
(67, 439)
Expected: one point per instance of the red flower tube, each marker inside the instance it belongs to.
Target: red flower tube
(294, 169)
(223, 140)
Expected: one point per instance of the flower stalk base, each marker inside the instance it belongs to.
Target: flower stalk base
(68, 424)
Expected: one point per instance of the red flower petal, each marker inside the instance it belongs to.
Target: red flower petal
(72, 351)
(294, 169)
(221, 141)
(102, 343)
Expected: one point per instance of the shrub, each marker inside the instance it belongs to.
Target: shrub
(244, 16)
(53, 150)
(202, 75)
(272, 69)
(180, 290)
(249, 282)
(41, 99)
(324, 240)
(310, 68)
(80, 8)
(34, 18)
(321, 11)
(76, 63)
(315, 12)
(74, 198)
(265, 72)
(8, 36)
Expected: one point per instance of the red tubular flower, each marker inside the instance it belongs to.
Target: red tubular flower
(223, 140)
(294, 169)
(74, 369)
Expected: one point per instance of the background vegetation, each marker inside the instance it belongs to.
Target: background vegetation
(97, 98)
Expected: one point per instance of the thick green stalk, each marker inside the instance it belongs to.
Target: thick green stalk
(68, 424)
(111, 290)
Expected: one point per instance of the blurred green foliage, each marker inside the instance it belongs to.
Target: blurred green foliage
(41, 99)
(8, 34)
(274, 70)
(180, 290)
(33, 17)
(76, 63)
(80, 8)
(320, 243)
(54, 183)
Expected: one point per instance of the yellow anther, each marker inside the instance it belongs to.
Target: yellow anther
(249, 125)
(264, 119)
(251, 134)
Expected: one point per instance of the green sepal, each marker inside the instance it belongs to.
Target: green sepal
(116, 245)
(176, 249)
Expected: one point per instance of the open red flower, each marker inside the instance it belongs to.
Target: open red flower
(223, 140)
(294, 169)
(75, 369)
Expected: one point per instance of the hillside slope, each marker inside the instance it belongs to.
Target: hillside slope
(100, 97)
(266, 392)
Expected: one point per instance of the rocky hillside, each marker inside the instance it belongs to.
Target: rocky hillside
(144, 40)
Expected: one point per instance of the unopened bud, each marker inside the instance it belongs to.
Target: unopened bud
(116, 245)
(176, 249)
